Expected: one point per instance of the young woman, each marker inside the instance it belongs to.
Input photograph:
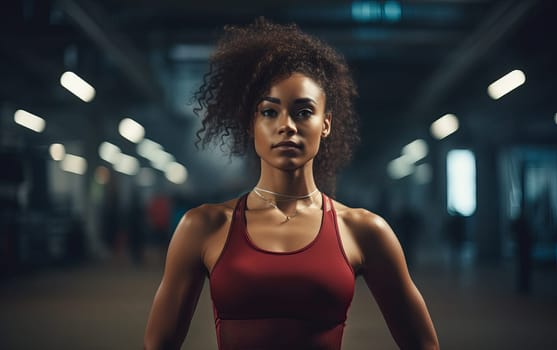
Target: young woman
(282, 259)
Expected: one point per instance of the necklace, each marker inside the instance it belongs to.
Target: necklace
(287, 196)
(287, 217)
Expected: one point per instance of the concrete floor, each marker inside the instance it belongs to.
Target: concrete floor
(105, 306)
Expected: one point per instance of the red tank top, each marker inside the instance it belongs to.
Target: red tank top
(270, 300)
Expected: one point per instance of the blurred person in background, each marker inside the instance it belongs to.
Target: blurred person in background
(409, 225)
(159, 210)
(135, 227)
(522, 231)
(455, 231)
(282, 259)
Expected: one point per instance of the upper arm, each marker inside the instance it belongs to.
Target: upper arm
(179, 290)
(386, 274)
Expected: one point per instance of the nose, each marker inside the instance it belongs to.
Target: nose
(286, 124)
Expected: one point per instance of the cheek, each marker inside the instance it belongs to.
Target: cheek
(259, 133)
(315, 130)
(260, 137)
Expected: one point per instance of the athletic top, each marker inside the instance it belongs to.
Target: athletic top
(274, 300)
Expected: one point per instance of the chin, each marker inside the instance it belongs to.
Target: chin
(289, 164)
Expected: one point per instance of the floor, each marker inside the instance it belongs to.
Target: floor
(105, 306)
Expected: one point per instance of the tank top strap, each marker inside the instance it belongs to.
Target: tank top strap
(333, 230)
(329, 211)
(240, 208)
(328, 227)
(237, 225)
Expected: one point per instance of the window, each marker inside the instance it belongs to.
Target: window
(461, 182)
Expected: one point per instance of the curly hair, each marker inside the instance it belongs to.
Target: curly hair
(247, 61)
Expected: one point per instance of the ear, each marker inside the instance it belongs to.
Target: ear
(327, 120)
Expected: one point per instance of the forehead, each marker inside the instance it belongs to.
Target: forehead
(297, 85)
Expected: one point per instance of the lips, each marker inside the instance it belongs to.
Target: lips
(287, 144)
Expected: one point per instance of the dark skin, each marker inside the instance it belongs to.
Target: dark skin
(293, 111)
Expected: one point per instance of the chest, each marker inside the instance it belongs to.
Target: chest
(274, 274)
(272, 232)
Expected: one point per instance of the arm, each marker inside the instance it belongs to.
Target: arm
(178, 293)
(387, 277)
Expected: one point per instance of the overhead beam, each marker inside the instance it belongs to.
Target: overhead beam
(113, 44)
(499, 22)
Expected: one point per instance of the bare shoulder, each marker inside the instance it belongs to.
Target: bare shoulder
(373, 235)
(206, 219)
(196, 230)
(362, 222)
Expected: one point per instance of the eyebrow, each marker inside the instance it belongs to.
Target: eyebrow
(296, 101)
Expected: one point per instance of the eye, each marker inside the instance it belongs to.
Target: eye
(304, 113)
(268, 112)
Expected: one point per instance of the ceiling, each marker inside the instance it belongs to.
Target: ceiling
(413, 62)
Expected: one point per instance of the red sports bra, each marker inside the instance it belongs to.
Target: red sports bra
(270, 300)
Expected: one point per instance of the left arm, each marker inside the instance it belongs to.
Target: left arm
(386, 274)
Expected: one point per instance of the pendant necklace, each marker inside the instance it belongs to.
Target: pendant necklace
(286, 197)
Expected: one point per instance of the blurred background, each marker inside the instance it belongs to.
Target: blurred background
(97, 160)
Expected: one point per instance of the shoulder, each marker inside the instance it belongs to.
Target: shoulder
(373, 234)
(207, 218)
(199, 224)
(362, 222)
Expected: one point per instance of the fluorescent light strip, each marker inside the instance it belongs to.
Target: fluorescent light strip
(77, 86)
(74, 164)
(506, 84)
(415, 150)
(131, 130)
(161, 160)
(444, 126)
(29, 120)
(126, 164)
(109, 152)
(176, 173)
(57, 151)
(148, 149)
(400, 167)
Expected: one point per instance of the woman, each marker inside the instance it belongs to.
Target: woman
(282, 259)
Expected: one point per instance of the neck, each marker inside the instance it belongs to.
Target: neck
(298, 182)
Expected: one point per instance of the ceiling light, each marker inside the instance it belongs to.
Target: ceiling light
(74, 164)
(148, 149)
(400, 167)
(392, 10)
(176, 173)
(364, 11)
(131, 130)
(161, 160)
(126, 164)
(29, 120)
(444, 126)
(77, 86)
(109, 152)
(415, 150)
(506, 84)
(57, 151)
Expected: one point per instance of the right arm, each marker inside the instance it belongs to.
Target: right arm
(178, 293)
